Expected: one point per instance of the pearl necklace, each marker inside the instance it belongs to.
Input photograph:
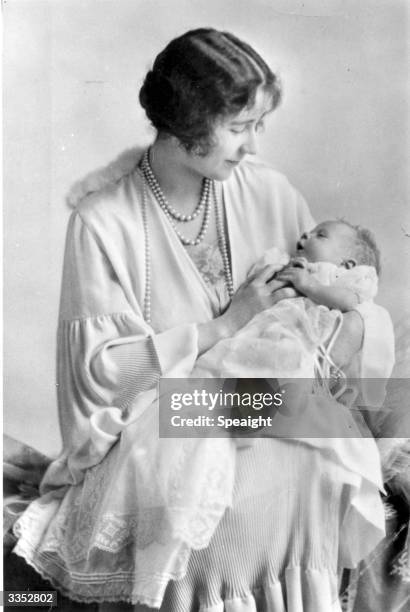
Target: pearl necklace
(222, 242)
(223, 246)
(171, 213)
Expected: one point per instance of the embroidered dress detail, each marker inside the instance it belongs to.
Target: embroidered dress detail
(208, 260)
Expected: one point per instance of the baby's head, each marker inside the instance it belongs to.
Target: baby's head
(340, 243)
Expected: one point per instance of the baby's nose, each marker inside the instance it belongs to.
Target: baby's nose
(301, 242)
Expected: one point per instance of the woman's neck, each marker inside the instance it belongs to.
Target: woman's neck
(180, 184)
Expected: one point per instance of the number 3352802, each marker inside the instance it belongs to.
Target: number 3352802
(30, 598)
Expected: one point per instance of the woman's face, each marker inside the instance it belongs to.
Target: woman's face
(233, 138)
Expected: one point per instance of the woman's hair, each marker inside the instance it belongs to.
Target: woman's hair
(365, 248)
(201, 77)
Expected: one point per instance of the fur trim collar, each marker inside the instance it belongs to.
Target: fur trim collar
(102, 177)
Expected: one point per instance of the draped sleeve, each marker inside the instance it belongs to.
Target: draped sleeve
(107, 353)
(374, 364)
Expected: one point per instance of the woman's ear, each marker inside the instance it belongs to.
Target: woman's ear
(349, 263)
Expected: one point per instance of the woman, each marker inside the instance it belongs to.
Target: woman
(154, 275)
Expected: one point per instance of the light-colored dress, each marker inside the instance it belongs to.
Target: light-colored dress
(100, 531)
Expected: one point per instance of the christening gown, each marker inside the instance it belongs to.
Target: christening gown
(127, 516)
(291, 339)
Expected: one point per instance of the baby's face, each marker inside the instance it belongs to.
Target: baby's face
(329, 241)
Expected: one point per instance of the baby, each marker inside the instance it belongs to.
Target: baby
(336, 265)
(334, 270)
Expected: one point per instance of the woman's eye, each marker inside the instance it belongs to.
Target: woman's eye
(258, 127)
(238, 130)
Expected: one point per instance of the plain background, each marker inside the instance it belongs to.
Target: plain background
(72, 71)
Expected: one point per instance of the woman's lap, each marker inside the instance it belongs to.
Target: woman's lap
(277, 525)
(279, 540)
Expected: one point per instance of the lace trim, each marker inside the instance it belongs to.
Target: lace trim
(208, 260)
(82, 524)
(86, 588)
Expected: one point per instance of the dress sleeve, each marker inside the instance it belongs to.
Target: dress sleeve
(377, 354)
(108, 355)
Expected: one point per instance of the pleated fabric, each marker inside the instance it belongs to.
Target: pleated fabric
(278, 548)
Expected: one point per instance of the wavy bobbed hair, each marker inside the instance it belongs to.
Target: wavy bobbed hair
(199, 78)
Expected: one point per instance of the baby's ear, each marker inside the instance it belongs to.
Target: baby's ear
(349, 263)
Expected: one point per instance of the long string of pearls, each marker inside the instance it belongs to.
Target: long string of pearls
(223, 246)
(147, 256)
(222, 242)
(171, 213)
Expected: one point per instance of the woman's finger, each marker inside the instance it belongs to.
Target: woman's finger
(275, 284)
(285, 276)
(284, 294)
(265, 274)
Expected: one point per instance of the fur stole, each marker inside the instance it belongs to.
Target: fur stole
(102, 177)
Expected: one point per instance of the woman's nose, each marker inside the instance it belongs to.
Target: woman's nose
(249, 146)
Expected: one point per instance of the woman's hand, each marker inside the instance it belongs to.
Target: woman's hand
(299, 277)
(257, 293)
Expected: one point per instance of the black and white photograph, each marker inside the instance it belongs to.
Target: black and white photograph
(206, 305)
